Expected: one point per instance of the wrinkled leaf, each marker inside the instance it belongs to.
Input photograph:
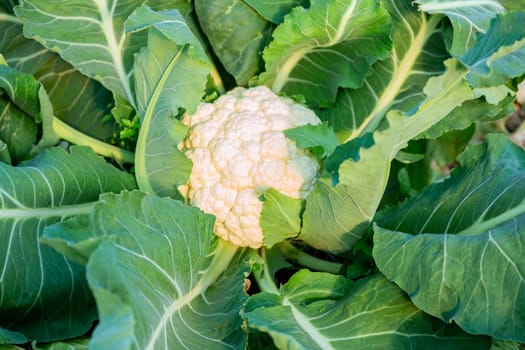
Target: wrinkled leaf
(498, 54)
(397, 82)
(468, 18)
(274, 11)
(470, 112)
(331, 44)
(350, 205)
(160, 278)
(170, 75)
(465, 235)
(237, 35)
(41, 292)
(324, 311)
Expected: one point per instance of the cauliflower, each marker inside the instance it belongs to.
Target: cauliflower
(239, 150)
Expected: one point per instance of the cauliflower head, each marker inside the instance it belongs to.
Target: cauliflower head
(239, 150)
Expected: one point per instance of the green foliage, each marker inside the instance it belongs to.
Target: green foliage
(402, 88)
(39, 299)
(464, 235)
(172, 52)
(237, 34)
(331, 44)
(325, 311)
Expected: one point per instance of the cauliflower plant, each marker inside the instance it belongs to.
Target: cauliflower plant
(239, 150)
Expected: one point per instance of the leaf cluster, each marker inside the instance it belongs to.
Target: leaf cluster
(412, 239)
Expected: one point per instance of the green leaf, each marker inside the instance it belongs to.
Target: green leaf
(498, 54)
(10, 337)
(30, 97)
(88, 34)
(323, 311)
(5, 157)
(320, 139)
(468, 18)
(337, 217)
(465, 237)
(331, 44)
(77, 100)
(397, 82)
(25, 104)
(280, 217)
(160, 277)
(274, 11)
(170, 76)
(17, 130)
(41, 292)
(237, 34)
(470, 112)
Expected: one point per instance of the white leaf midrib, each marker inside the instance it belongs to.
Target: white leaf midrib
(402, 69)
(24, 213)
(437, 6)
(286, 68)
(114, 46)
(304, 323)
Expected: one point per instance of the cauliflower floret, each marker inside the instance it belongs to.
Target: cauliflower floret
(239, 150)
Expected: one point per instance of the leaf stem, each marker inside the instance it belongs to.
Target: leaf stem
(265, 280)
(67, 133)
(146, 120)
(217, 79)
(4, 17)
(298, 256)
(221, 260)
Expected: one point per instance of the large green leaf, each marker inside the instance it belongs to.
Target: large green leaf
(160, 278)
(337, 216)
(78, 100)
(170, 77)
(88, 34)
(457, 247)
(331, 44)
(498, 54)
(325, 312)
(468, 18)
(237, 34)
(41, 292)
(397, 82)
